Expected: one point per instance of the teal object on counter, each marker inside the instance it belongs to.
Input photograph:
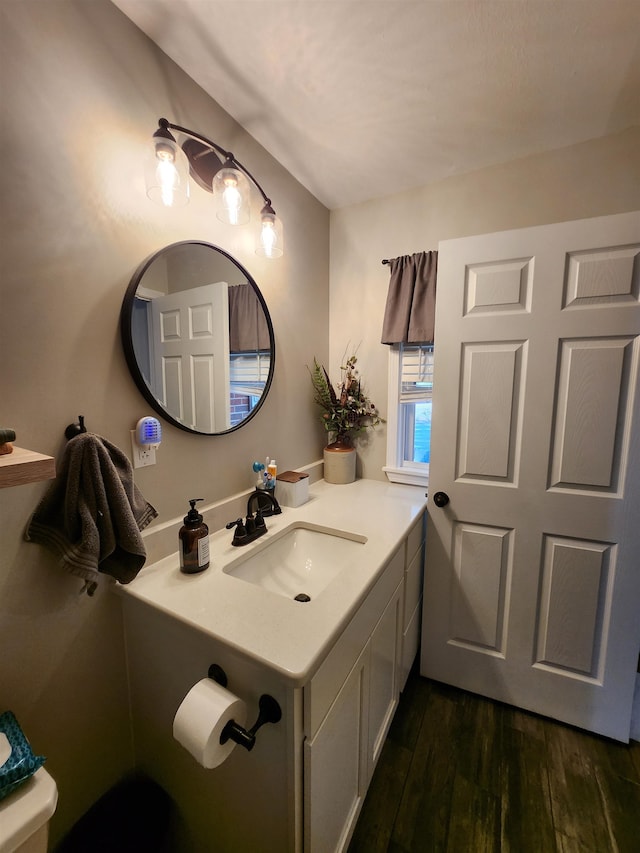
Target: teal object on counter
(20, 763)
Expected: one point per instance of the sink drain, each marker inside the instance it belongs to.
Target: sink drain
(302, 596)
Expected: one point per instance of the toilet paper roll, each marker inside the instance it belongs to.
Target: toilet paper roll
(201, 717)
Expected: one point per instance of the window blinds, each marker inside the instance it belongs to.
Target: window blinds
(416, 371)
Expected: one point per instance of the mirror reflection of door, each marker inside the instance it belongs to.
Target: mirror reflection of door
(190, 341)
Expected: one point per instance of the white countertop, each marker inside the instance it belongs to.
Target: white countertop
(289, 637)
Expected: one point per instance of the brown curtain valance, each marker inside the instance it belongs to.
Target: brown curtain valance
(409, 315)
(248, 330)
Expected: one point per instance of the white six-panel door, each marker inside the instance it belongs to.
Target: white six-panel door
(532, 580)
(191, 351)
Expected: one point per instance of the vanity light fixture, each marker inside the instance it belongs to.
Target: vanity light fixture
(215, 170)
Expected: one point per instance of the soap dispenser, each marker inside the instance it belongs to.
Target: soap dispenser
(194, 542)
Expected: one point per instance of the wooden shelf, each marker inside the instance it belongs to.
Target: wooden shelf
(25, 466)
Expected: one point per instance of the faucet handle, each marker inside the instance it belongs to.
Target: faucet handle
(240, 533)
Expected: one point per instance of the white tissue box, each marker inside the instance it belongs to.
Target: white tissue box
(292, 488)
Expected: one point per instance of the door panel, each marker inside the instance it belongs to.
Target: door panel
(500, 287)
(592, 413)
(482, 565)
(489, 427)
(532, 578)
(605, 276)
(575, 604)
(172, 393)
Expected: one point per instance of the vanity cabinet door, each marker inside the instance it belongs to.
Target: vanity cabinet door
(413, 580)
(384, 669)
(335, 766)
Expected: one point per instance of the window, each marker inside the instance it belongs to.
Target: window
(248, 374)
(409, 413)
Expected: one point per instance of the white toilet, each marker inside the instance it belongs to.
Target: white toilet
(25, 815)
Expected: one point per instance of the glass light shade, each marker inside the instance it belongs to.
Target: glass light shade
(167, 173)
(232, 195)
(270, 237)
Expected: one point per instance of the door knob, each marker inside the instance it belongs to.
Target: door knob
(441, 499)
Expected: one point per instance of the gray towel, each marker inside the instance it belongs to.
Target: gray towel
(92, 514)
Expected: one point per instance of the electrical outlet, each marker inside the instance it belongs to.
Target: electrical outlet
(140, 456)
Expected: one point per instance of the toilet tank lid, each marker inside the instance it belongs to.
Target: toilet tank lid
(28, 808)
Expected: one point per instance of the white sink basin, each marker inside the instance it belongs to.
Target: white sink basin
(300, 560)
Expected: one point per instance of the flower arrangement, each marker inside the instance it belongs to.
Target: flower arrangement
(347, 411)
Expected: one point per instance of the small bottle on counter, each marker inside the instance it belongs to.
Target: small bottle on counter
(194, 542)
(272, 471)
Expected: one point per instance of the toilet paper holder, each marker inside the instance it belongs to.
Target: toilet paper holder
(269, 712)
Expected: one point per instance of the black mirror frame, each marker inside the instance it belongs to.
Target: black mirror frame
(126, 315)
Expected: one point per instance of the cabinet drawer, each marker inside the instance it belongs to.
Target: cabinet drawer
(325, 684)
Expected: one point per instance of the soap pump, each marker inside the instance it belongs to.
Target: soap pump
(194, 542)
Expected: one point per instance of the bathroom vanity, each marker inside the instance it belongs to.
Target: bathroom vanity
(336, 664)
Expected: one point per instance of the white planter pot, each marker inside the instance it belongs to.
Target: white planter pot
(339, 464)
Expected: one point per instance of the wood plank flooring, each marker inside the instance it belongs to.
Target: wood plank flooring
(462, 774)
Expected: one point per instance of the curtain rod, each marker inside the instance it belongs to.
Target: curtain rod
(386, 261)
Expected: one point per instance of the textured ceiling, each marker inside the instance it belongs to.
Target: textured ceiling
(361, 99)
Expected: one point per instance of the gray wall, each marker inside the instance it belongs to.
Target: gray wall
(592, 179)
(82, 90)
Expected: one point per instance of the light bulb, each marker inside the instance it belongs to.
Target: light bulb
(166, 173)
(231, 189)
(168, 179)
(231, 198)
(268, 237)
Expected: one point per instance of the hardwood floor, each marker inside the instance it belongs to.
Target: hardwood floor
(462, 774)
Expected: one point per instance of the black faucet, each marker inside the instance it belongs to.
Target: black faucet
(248, 530)
(266, 503)
(253, 526)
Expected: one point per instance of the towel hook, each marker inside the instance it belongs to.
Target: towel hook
(75, 429)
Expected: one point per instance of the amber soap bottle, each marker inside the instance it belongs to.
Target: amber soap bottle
(194, 542)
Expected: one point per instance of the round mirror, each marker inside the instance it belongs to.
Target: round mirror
(198, 338)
